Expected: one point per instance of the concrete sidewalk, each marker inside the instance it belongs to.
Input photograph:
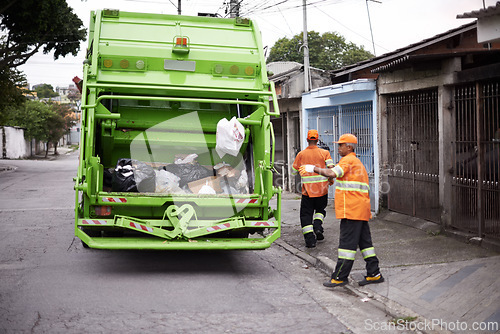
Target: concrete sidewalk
(428, 275)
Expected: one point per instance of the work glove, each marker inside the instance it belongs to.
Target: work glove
(306, 169)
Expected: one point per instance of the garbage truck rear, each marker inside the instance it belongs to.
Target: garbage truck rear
(177, 146)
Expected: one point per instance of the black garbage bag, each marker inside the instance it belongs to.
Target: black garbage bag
(108, 177)
(133, 176)
(188, 172)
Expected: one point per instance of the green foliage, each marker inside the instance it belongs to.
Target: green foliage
(36, 118)
(11, 93)
(29, 25)
(46, 122)
(26, 27)
(45, 91)
(329, 51)
(62, 121)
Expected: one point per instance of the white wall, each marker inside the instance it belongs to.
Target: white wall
(12, 143)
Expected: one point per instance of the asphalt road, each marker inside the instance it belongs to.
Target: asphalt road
(49, 283)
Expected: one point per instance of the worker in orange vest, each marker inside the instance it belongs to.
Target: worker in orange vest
(352, 207)
(314, 189)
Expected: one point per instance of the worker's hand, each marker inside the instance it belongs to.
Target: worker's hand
(306, 169)
(331, 181)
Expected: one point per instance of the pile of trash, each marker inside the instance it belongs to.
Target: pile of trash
(184, 176)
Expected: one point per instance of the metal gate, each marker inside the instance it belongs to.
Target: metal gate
(476, 176)
(413, 154)
(355, 118)
(324, 121)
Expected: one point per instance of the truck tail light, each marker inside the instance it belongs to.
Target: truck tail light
(104, 210)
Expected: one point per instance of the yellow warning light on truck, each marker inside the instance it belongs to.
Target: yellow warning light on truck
(123, 64)
(235, 70)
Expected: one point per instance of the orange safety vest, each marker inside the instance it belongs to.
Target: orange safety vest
(352, 198)
(313, 185)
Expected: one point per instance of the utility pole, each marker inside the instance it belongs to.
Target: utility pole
(370, 22)
(306, 51)
(234, 8)
(179, 7)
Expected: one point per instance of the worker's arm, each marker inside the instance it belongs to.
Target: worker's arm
(328, 172)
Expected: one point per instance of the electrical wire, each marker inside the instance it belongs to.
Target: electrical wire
(295, 6)
(343, 25)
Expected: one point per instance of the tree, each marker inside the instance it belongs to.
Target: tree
(26, 27)
(329, 51)
(35, 118)
(30, 24)
(62, 120)
(11, 92)
(46, 122)
(45, 91)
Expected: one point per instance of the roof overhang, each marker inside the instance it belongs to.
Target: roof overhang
(394, 56)
(344, 88)
(481, 13)
(408, 61)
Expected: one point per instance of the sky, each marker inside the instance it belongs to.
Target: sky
(394, 24)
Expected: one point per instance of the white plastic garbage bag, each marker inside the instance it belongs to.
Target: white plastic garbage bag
(242, 184)
(187, 160)
(207, 190)
(229, 137)
(167, 182)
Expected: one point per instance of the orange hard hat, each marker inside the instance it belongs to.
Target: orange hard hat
(347, 138)
(312, 135)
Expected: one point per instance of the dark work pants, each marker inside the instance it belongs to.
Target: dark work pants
(309, 207)
(354, 233)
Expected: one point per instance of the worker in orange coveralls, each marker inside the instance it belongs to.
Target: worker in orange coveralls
(314, 189)
(352, 207)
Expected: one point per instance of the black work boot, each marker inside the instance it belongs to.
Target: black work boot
(310, 240)
(332, 283)
(372, 279)
(318, 230)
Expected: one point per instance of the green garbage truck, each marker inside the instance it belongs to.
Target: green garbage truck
(177, 145)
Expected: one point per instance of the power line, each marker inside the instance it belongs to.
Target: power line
(343, 25)
(311, 3)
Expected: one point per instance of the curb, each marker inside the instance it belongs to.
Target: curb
(384, 304)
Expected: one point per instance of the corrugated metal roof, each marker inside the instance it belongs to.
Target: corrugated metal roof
(280, 67)
(394, 55)
(408, 60)
(489, 11)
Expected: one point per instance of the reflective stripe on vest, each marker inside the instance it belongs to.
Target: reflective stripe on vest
(368, 252)
(338, 170)
(294, 171)
(347, 254)
(329, 163)
(307, 229)
(318, 216)
(353, 186)
(314, 179)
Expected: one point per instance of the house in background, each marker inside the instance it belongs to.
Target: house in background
(426, 116)
(288, 78)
